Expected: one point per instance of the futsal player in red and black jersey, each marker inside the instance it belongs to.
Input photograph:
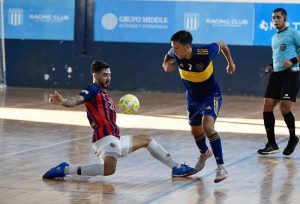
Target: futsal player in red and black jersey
(107, 142)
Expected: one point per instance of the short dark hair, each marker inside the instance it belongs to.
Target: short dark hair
(98, 66)
(282, 11)
(183, 37)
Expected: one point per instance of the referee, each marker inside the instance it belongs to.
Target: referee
(283, 83)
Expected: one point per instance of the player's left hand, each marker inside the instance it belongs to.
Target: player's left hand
(287, 63)
(55, 98)
(230, 68)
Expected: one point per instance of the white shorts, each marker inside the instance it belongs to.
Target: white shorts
(113, 146)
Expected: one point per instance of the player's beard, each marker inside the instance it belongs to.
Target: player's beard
(106, 84)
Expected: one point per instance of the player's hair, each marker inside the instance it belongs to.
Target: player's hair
(183, 37)
(98, 66)
(282, 11)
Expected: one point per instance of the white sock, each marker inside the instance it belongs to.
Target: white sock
(159, 153)
(220, 166)
(86, 170)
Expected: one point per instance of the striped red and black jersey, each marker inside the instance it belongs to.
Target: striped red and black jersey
(101, 112)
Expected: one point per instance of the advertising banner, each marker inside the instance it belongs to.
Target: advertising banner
(39, 20)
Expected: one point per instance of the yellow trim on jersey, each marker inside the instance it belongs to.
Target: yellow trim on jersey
(197, 76)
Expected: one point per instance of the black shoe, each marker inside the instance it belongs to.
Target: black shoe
(269, 149)
(291, 146)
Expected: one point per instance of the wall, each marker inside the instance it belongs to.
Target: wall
(135, 66)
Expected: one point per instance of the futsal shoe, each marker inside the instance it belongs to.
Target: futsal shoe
(203, 157)
(183, 171)
(291, 146)
(269, 149)
(56, 172)
(221, 174)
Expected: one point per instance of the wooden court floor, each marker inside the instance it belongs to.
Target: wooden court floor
(35, 136)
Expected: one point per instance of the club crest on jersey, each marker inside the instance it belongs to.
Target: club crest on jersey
(200, 67)
(283, 47)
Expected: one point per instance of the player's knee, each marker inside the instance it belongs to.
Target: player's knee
(197, 133)
(145, 139)
(208, 129)
(110, 164)
(284, 109)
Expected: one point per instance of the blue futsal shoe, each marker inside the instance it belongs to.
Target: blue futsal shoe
(56, 172)
(183, 171)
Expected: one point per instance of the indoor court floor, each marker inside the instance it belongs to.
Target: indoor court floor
(35, 136)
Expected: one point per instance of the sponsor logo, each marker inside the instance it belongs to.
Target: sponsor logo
(191, 21)
(15, 16)
(267, 26)
(226, 22)
(286, 96)
(264, 25)
(85, 92)
(208, 108)
(49, 18)
(109, 21)
(110, 105)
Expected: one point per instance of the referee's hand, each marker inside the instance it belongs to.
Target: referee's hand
(269, 69)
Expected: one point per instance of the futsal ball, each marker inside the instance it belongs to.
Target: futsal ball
(129, 104)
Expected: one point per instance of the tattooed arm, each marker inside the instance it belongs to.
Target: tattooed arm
(57, 99)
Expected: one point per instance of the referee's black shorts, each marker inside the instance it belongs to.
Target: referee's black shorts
(283, 85)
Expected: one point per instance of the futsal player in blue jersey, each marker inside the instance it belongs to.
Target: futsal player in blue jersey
(203, 94)
(106, 140)
(283, 83)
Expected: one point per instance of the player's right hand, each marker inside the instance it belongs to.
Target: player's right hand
(55, 98)
(168, 65)
(269, 69)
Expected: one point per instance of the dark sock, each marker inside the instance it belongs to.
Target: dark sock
(201, 143)
(290, 122)
(79, 170)
(215, 143)
(269, 121)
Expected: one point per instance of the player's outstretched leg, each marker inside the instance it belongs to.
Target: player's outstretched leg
(159, 153)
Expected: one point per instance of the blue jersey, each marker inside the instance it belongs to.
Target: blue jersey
(285, 45)
(197, 73)
(100, 112)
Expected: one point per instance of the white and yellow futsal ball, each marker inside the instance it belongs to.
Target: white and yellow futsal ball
(129, 104)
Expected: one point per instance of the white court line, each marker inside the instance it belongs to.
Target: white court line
(43, 147)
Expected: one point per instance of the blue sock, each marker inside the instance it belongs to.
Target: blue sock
(201, 143)
(215, 143)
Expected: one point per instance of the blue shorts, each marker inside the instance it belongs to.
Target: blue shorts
(209, 107)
